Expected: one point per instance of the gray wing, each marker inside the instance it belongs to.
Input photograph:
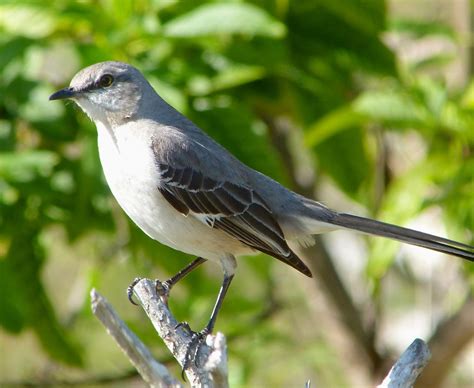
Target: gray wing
(235, 209)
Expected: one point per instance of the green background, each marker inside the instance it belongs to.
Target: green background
(308, 92)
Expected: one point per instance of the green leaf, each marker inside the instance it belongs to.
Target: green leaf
(403, 201)
(456, 198)
(434, 95)
(232, 76)
(25, 166)
(225, 18)
(341, 33)
(420, 29)
(406, 197)
(391, 108)
(12, 49)
(171, 94)
(467, 100)
(367, 15)
(433, 62)
(335, 121)
(27, 20)
(343, 158)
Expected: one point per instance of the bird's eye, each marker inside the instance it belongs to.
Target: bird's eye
(106, 80)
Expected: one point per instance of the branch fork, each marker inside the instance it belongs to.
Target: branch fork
(208, 366)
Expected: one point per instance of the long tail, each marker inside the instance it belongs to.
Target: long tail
(405, 235)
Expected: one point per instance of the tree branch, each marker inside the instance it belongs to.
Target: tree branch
(209, 365)
(408, 367)
(154, 373)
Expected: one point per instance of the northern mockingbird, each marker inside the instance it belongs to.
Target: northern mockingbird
(186, 191)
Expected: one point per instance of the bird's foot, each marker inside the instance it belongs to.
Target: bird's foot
(185, 325)
(163, 290)
(192, 348)
(130, 290)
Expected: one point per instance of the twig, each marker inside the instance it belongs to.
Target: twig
(209, 366)
(408, 367)
(154, 373)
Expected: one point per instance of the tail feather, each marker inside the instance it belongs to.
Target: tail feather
(292, 260)
(406, 235)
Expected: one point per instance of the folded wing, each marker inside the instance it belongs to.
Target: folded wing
(235, 209)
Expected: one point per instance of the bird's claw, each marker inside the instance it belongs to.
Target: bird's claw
(130, 291)
(192, 348)
(186, 327)
(163, 290)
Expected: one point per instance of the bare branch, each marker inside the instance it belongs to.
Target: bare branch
(408, 367)
(209, 366)
(154, 373)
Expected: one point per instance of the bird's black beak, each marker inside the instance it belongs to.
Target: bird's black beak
(63, 94)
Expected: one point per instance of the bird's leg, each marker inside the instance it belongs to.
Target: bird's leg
(164, 288)
(220, 298)
(197, 338)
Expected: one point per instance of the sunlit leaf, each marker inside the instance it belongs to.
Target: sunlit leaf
(406, 197)
(420, 28)
(169, 93)
(468, 97)
(225, 18)
(27, 20)
(391, 107)
(232, 76)
(334, 122)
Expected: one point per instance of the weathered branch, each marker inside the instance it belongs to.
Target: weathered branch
(209, 366)
(408, 367)
(154, 373)
(449, 339)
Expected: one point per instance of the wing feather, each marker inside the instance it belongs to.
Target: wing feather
(235, 209)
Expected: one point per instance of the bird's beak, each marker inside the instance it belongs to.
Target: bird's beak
(63, 94)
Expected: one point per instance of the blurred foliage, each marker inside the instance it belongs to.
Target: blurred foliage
(227, 65)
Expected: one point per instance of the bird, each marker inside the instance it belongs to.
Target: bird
(186, 191)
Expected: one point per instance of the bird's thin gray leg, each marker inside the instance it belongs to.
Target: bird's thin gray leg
(220, 298)
(163, 288)
(193, 346)
(168, 284)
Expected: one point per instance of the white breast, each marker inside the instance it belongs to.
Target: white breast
(129, 167)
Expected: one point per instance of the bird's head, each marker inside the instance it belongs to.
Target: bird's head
(107, 91)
